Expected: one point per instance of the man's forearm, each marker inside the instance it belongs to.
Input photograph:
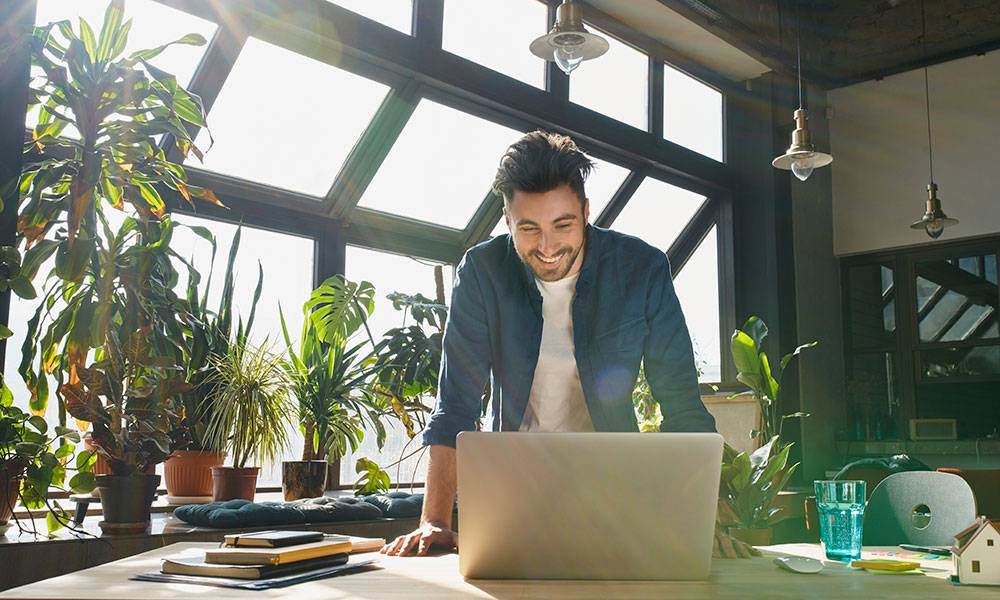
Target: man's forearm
(439, 491)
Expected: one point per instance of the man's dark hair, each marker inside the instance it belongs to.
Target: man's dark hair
(540, 162)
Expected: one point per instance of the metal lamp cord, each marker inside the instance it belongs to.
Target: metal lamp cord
(927, 89)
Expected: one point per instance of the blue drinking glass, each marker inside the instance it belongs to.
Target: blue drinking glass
(841, 507)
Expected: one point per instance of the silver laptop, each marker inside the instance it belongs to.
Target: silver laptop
(587, 505)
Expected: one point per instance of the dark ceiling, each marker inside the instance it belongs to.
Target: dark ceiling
(847, 41)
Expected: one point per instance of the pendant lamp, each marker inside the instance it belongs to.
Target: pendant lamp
(801, 157)
(934, 220)
(569, 43)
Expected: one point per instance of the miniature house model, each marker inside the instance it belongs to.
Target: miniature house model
(977, 553)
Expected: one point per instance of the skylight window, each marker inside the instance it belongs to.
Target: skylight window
(496, 34)
(397, 14)
(286, 120)
(441, 167)
(643, 216)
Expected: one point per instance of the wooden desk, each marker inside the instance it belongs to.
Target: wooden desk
(437, 577)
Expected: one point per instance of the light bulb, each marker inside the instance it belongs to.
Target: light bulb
(802, 168)
(934, 228)
(567, 58)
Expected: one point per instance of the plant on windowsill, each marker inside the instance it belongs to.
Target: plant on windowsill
(31, 461)
(246, 414)
(750, 483)
(409, 360)
(108, 300)
(188, 472)
(331, 381)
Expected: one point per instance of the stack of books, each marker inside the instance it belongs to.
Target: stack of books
(269, 558)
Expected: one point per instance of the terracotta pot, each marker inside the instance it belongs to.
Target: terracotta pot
(189, 472)
(229, 483)
(100, 467)
(125, 501)
(333, 475)
(753, 537)
(303, 479)
(10, 481)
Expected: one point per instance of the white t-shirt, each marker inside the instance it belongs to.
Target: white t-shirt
(556, 401)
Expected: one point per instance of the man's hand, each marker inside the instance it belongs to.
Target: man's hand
(420, 541)
(725, 546)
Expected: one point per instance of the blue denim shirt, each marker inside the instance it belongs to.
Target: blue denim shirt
(625, 310)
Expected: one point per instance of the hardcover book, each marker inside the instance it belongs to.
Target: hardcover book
(276, 556)
(196, 565)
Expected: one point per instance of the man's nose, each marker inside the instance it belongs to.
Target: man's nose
(548, 243)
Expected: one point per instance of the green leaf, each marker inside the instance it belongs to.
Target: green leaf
(23, 288)
(756, 330)
(340, 307)
(110, 31)
(87, 36)
(745, 353)
(84, 482)
(5, 332)
(794, 353)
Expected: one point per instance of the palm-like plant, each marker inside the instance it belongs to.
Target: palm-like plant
(248, 409)
(331, 377)
(211, 335)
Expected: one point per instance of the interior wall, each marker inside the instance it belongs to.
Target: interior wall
(818, 313)
(878, 136)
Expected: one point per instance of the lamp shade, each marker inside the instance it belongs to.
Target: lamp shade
(569, 43)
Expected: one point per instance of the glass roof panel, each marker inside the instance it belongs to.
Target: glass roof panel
(153, 24)
(267, 130)
(614, 84)
(692, 113)
(602, 184)
(658, 212)
(498, 43)
(397, 14)
(441, 167)
(697, 287)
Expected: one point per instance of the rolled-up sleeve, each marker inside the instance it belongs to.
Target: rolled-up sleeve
(465, 362)
(669, 358)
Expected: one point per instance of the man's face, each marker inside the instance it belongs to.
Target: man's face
(547, 229)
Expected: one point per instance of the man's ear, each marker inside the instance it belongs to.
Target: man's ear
(586, 211)
(506, 217)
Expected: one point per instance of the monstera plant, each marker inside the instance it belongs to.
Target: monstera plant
(109, 327)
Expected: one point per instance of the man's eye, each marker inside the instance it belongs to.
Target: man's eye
(562, 226)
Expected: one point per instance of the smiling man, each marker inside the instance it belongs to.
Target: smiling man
(558, 315)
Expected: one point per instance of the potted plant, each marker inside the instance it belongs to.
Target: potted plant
(330, 379)
(750, 483)
(246, 414)
(187, 473)
(31, 461)
(109, 327)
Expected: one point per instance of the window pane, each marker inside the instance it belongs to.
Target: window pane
(692, 113)
(153, 24)
(267, 129)
(473, 30)
(644, 215)
(287, 262)
(697, 287)
(872, 306)
(614, 84)
(441, 167)
(394, 13)
(391, 273)
(602, 184)
(957, 298)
